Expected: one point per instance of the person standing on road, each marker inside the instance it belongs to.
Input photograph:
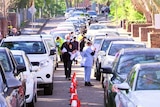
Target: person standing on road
(88, 54)
(82, 43)
(75, 44)
(59, 42)
(67, 50)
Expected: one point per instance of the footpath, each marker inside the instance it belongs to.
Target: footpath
(34, 27)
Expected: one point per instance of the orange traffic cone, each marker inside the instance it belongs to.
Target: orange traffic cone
(74, 96)
(72, 87)
(79, 103)
(74, 103)
(74, 81)
(74, 75)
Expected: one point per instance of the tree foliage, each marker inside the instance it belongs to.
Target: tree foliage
(48, 7)
(123, 9)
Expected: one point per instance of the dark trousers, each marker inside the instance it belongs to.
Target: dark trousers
(67, 68)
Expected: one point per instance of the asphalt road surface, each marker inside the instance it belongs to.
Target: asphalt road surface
(88, 96)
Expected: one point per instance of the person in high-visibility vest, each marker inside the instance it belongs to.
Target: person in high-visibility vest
(59, 42)
(9, 28)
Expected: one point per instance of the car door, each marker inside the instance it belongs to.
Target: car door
(9, 93)
(22, 88)
(123, 97)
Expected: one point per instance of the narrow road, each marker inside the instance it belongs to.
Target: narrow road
(89, 96)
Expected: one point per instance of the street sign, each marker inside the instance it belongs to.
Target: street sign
(32, 10)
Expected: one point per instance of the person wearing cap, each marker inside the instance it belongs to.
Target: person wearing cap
(88, 53)
(67, 49)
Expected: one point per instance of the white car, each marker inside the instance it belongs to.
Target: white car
(29, 75)
(61, 33)
(92, 15)
(40, 56)
(94, 28)
(52, 45)
(141, 88)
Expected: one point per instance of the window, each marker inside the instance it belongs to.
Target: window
(132, 77)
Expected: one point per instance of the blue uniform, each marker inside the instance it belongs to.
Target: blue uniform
(88, 62)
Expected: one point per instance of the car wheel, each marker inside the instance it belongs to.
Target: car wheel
(102, 79)
(48, 90)
(35, 98)
(24, 104)
(32, 103)
(98, 74)
(107, 100)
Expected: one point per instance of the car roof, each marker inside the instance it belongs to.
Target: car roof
(2, 49)
(23, 38)
(133, 51)
(118, 38)
(127, 42)
(148, 65)
(93, 24)
(17, 52)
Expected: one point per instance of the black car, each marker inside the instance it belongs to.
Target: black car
(14, 85)
(122, 65)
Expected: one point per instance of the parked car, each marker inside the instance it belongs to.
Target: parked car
(101, 53)
(68, 12)
(141, 88)
(61, 33)
(28, 75)
(52, 46)
(122, 65)
(114, 47)
(12, 83)
(3, 101)
(94, 28)
(92, 15)
(40, 56)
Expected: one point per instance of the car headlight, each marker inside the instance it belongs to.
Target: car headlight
(44, 63)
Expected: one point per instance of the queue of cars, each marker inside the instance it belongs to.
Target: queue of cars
(29, 61)
(117, 65)
(120, 64)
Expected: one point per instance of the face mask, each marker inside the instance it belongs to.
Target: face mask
(68, 41)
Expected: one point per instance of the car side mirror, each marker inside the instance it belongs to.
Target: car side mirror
(52, 51)
(13, 83)
(20, 68)
(107, 70)
(123, 86)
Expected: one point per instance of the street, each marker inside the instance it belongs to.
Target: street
(89, 96)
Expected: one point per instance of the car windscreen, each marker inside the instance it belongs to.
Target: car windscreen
(19, 59)
(62, 35)
(105, 45)
(148, 79)
(92, 13)
(6, 63)
(116, 47)
(126, 62)
(97, 41)
(96, 27)
(29, 47)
